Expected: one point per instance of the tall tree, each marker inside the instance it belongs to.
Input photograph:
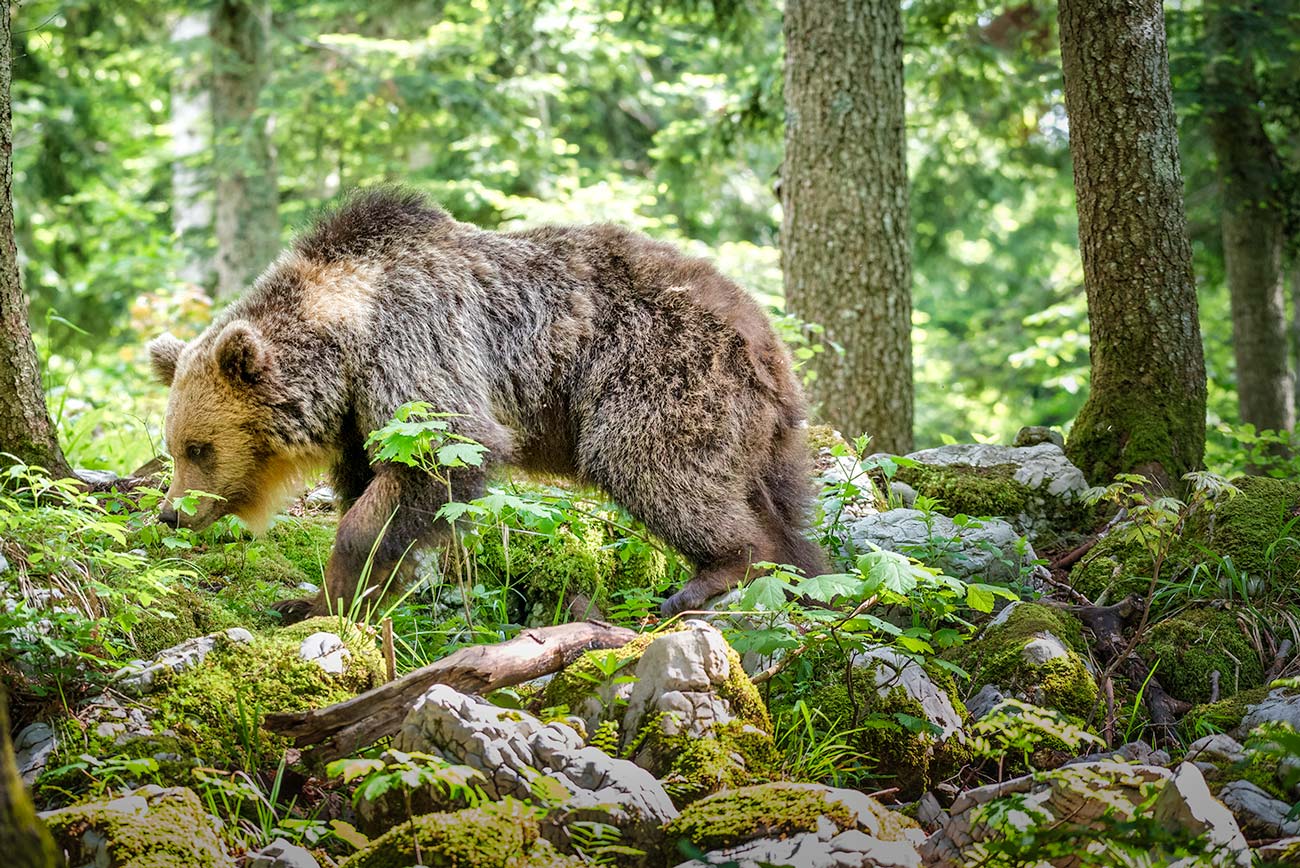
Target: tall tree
(247, 201)
(1252, 218)
(845, 230)
(1145, 411)
(25, 428)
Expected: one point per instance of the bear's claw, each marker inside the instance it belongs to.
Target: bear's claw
(292, 611)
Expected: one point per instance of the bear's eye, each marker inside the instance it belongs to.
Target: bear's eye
(198, 451)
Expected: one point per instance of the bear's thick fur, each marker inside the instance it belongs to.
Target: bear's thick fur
(588, 351)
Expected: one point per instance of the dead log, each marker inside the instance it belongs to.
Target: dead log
(348, 726)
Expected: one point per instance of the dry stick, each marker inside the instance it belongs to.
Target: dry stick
(1279, 661)
(348, 726)
(390, 657)
(1214, 686)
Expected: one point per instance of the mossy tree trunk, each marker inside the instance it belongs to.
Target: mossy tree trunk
(24, 840)
(247, 200)
(1252, 220)
(25, 427)
(1145, 412)
(845, 234)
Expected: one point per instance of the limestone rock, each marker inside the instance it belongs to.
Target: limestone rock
(281, 854)
(327, 651)
(1092, 798)
(1257, 812)
(1043, 467)
(1216, 747)
(146, 828)
(512, 749)
(1280, 706)
(797, 824)
(982, 550)
(32, 747)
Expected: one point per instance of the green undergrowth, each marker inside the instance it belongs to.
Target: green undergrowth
(146, 830)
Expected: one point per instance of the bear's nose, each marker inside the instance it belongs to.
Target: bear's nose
(168, 516)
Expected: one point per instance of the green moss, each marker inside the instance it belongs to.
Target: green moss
(1250, 530)
(733, 755)
(913, 761)
(773, 810)
(977, 491)
(825, 437)
(576, 683)
(211, 714)
(504, 834)
(182, 614)
(1063, 683)
(305, 543)
(1221, 716)
(1186, 648)
(1122, 430)
(172, 831)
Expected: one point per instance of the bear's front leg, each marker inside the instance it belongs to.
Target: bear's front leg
(394, 514)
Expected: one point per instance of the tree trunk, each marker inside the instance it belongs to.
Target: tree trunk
(25, 427)
(1295, 333)
(1145, 411)
(191, 123)
(1251, 218)
(24, 840)
(845, 234)
(247, 218)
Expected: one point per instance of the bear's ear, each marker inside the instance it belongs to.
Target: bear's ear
(164, 350)
(241, 356)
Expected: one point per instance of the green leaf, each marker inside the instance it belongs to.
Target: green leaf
(888, 570)
(766, 593)
(828, 587)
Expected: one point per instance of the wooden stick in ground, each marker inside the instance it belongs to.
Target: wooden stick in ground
(346, 727)
(390, 658)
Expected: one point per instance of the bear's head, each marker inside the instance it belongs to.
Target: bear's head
(221, 428)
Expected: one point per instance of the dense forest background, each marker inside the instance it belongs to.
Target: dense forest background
(146, 134)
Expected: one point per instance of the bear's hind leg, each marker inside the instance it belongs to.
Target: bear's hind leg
(712, 579)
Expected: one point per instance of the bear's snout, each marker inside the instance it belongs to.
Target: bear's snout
(169, 516)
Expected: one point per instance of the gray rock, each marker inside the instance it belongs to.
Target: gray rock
(1279, 706)
(327, 651)
(1257, 812)
(4, 565)
(1044, 647)
(96, 478)
(903, 493)
(1137, 752)
(1032, 435)
(33, 746)
(281, 854)
(1043, 466)
(929, 813)
(321, 496)
(988, 698)
(679, 676)
(512, 749)
(1092, 797)
(1279, 852)
(1216, 747)
(982, 550)
(896, 671)
(137, 678)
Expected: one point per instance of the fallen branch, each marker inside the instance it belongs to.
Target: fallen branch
(348, 726)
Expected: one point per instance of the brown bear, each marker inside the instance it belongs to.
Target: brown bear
(587, 351)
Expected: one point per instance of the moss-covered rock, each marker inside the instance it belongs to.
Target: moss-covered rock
(906, 715)
(1186, 648)
(211, 714)
(1033, 653)
(1250, 532)
(779, 810)
(504, 834)
(148, 828)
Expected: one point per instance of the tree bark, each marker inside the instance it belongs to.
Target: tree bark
(1145, 412)
(351, 725)
(247, 202)
(25, 428)
(1251, 219)
(24, 840)
(191, 123)
(845, 233)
